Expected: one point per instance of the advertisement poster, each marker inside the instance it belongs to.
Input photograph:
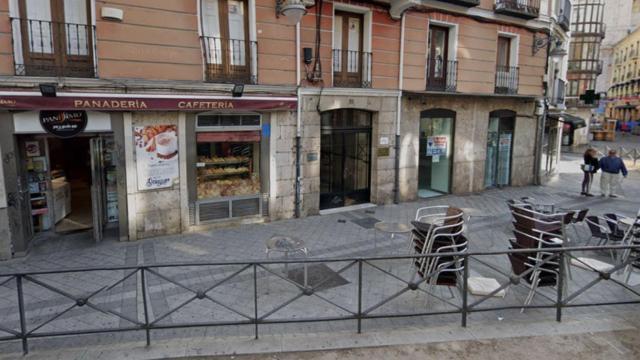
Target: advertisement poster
(32, 148)
(437, 145)
(156, 156)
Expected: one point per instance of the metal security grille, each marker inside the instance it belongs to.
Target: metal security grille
(226, 208)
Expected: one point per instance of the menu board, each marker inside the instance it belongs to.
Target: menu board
(156, 156)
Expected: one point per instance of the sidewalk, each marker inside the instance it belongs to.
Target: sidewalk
(332, 236)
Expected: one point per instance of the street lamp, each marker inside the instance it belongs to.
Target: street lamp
(292, 10)
(558, 51)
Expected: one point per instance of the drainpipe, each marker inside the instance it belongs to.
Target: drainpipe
(298, 126)
(537, 167)
(396, 185)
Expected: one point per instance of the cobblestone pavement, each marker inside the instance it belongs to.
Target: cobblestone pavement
(343, 235)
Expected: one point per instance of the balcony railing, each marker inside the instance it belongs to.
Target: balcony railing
(467, 3)
(442, 75)
(564, 18)
(351, 68)
(527, 9)
(230, 60)
(506, 80)
(49, 48)
(585, 66)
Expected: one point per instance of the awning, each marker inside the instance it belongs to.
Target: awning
(142, 102)
(575, 121)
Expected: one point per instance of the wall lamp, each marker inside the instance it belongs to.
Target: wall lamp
(48, 89)
(558, 51)
(292, 10)
(238, 90)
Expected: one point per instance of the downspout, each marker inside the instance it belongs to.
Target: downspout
(396, 185)
(298, 126)
(537, 168)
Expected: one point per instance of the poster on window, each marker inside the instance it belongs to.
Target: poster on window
(156, 156)
(437, 145)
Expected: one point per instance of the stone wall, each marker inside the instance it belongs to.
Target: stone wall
(151, 212)
(470, 140)
(383, 109)
(282, 164)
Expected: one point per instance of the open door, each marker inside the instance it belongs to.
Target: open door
(97, 179)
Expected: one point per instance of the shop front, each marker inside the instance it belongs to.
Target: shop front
(127, 168)
(499, 148)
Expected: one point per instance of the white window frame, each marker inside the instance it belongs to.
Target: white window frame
(367, 29)
(18, 55)
(514, 48)
(251, 16)
(452, 51)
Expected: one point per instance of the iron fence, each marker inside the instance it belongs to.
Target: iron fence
(51, 48)
(525, 8)
(442, 75)
(624, 153)
(360, 303)
(351, 68)
(507, 79)
(230, 60)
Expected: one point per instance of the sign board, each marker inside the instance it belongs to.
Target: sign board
(156, 156)
(63, 124)
(383, 152)
(384, 140)
(437, 145)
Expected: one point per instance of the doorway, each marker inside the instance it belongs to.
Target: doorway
(436, 152)
(499, 148)
(345, 158)
(438, 61)
(71, 183)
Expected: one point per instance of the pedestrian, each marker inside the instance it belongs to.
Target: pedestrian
(590, 167)
(611, 167)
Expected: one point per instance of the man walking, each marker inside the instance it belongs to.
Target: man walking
(611, 167)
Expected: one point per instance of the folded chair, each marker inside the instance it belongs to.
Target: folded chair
(601, 233)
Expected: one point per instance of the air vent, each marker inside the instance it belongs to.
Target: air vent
(213, 211)
(245, 207)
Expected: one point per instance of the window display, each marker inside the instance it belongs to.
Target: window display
(227, 169)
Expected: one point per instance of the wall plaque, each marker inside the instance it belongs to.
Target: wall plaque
(383, 151)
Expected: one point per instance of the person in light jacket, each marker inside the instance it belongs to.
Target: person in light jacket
(591, 166)
(611, 167)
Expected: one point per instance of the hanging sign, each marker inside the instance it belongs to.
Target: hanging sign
(63, 124)
(156, 156)
(437, 145)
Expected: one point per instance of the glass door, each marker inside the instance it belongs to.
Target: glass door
(345, 158)
(97, 186)
(436, 155)
(499, 149)
(437, 62)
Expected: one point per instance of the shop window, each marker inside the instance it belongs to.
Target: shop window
(228, 182)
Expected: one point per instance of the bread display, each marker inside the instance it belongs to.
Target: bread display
(228, 187)
(226, 176)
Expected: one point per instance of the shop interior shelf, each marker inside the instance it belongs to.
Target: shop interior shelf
(223, 163)
(223, 175)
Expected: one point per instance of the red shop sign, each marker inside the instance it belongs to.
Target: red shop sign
(68, 101)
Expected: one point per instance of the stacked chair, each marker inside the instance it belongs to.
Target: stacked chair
(534, 230)
(438, 230)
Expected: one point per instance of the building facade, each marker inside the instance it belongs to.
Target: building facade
(624, 92)
(117, 123)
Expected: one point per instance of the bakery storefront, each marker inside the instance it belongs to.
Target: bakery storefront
(128, 167)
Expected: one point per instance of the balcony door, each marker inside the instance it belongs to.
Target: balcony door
(225, 30)
(57, 38)
(437, 58)
(347, 51)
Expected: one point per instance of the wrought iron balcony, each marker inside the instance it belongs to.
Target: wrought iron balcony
(230, 60)
(526, 9)
(49, 48)
(585, 66)
(351, 69)
(506, 79)
(442, 75)
(467, 3)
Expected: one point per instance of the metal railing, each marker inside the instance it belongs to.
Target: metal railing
(523, 8)
(351, 68)
(362, 299)
(624, 153)
(506, 79)
(467, 3)
(442, 75)
(48, 48)
(230, 60)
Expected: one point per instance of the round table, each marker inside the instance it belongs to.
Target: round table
(392, 228)
(287, 245)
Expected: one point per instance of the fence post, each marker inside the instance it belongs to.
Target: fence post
(465, 290)
(255, 298)
(561, 275)
(359, 296)
(144, 306)
(23, 326)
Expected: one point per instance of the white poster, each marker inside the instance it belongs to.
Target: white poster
(437, 145)
(156, 156)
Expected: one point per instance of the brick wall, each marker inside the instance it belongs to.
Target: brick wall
(6, 50)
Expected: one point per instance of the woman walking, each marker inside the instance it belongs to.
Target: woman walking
(590, 167)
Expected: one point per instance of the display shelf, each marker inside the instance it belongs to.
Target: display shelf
(202, 164)
(223, 175)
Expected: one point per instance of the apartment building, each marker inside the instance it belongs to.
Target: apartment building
(624, 91)
(138, 118)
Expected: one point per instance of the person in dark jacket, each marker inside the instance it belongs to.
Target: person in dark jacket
(591, 166)
(611, 167)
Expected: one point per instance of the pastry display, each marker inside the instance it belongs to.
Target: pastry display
(228, 187)
(221, 176)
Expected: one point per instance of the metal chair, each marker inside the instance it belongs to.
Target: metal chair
(599, 231)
